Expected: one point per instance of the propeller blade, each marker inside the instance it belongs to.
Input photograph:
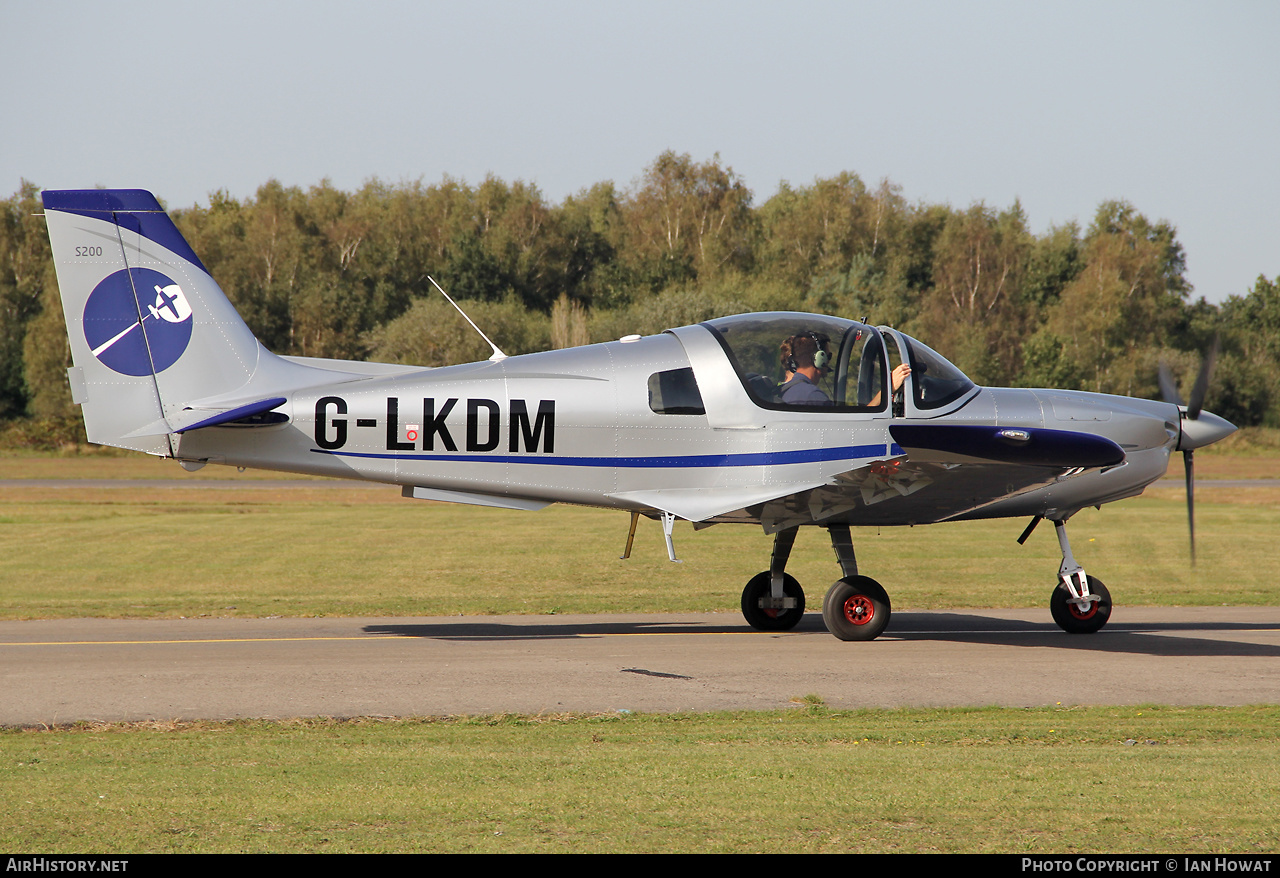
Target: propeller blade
(1168, 386)
(1194, 432)
(1188, 458)
(1202, 381)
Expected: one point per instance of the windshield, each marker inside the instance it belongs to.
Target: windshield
(768, 350)
(936, 381)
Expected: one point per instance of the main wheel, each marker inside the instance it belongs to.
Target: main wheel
(1069, 617)
(763, 619)
(856, 608)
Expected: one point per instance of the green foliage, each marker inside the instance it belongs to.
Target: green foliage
(58, 433)
(1249, 379)
(46, 356)
(975, 310)
(568, 324)
(1123, 307)
(853, 293)
(433, 333)
(1050, 361)
(816, 230)
(687, 221)
(326, 273)
(24, 264)
(1053, 263)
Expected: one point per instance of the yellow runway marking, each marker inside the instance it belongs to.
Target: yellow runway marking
(365, 637)
(221, 640)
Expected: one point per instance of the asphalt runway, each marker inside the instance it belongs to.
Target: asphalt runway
(54, 672)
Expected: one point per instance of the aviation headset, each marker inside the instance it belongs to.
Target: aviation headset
(821, 357)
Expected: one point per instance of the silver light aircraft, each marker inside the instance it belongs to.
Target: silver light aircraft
(688, 424)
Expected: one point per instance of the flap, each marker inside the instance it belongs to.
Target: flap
(418, 493)
(698, 504)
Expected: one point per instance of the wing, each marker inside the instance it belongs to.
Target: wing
(947, 471)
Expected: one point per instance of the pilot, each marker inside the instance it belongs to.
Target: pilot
(805, 358)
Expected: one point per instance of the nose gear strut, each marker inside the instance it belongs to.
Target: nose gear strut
(1080, 604)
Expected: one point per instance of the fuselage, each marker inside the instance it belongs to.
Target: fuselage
(616, 425)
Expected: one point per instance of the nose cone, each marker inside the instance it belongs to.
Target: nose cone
(1204, 430)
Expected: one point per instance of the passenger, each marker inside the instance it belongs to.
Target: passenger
(899, 375)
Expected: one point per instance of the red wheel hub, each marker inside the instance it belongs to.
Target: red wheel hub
(859, 609)
(1086, 614)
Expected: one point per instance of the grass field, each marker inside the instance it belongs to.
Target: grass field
(321, 549)
(1137, 779)
(1142, 779)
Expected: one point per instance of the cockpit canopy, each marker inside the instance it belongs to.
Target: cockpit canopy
(855, 378)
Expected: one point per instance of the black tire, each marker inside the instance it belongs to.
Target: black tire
(772, 620)
(856, 608)
(1070, 619)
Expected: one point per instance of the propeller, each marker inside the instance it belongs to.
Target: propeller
(1197, 427)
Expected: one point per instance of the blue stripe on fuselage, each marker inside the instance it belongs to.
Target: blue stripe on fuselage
(764, 458)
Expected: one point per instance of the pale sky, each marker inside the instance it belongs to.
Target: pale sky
(1173, 106)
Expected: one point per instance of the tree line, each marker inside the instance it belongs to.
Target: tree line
(327, 273)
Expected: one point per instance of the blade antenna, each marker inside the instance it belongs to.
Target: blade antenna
(497, 353)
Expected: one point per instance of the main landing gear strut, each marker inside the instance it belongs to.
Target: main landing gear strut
(855, 608)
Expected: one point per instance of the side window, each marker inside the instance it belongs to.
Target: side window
(675, 393)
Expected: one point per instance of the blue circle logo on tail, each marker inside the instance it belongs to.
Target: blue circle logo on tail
(115, 331)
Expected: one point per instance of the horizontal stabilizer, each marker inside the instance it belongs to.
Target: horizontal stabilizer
(1028, 446)
(197, 418)
(224, 417)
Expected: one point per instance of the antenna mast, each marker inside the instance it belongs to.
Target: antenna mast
(497, 354)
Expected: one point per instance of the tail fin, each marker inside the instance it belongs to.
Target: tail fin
(150, 330)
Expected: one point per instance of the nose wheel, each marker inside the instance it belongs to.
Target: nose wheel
(1080, 604)
(1083, 615)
